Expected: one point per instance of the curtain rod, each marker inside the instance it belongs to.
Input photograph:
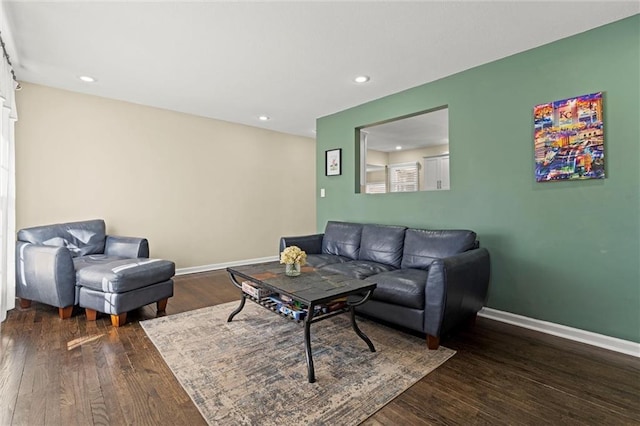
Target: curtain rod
(8, 59)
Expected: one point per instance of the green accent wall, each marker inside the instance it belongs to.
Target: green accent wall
(564, 252)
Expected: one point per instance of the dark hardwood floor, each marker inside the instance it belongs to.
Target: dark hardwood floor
(74, 372)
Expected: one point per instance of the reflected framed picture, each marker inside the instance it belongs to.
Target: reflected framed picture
(333, 162)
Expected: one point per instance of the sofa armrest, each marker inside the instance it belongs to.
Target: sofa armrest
(456, 289)
(45, 274)
(130, 247)
(311, 244)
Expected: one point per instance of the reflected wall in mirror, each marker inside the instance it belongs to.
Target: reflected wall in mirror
(407, 154)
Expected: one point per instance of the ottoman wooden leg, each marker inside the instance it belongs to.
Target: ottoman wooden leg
(162, 304)
(25, 303)
(65, 313)
(118, 319)
(91, 314)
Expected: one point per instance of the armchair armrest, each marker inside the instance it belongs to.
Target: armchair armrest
(311, 244)
(456, 289)
(45, 274)
(130, 247)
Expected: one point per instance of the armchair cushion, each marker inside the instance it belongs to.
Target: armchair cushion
(82, 262)
(80, 238)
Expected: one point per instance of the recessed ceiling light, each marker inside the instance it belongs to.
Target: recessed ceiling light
(264, 118)
(398, 147)
(87, 79)
(362, 79)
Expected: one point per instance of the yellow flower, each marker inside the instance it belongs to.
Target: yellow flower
(293, 254)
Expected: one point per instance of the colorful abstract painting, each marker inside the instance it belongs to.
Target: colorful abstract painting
(569, 139)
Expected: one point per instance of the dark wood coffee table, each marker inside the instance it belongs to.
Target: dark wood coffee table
(312, 288)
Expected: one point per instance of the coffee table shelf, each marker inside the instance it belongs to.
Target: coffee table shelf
(311, 289)
(272, 306)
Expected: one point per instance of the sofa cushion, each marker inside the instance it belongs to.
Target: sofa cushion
(320, 260)
(360, 269)
(421, 246)
(81, 238)
(382, 244)
(125, 275)
(342, 239)
(401, 287)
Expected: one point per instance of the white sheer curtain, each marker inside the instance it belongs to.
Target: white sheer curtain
(7, 190)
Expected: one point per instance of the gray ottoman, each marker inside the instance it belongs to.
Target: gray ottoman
(120, 286)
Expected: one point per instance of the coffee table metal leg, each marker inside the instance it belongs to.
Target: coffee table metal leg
(238, 309)
(358, 331)
(307, 346)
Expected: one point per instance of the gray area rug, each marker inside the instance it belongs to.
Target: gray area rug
(253, 370)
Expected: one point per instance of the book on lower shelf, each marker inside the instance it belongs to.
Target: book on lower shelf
(290, 311)
(336, 304)
(254, 290)
(290, 308)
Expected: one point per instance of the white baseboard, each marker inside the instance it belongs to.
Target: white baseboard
(594, 339)
(217, 266)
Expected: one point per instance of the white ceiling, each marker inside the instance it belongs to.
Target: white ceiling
(418, 131)
(292, 61)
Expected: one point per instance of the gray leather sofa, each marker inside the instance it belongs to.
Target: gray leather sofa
(429, 281)
(76, 263)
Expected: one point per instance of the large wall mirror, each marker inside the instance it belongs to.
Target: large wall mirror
(407, 154)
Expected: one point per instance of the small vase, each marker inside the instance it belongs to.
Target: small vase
(292, 269)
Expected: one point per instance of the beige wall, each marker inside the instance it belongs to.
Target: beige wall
(377, 158)
(202, 191)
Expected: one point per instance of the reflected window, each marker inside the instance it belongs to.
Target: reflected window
(403, 177)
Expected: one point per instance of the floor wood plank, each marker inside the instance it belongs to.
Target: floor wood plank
(74, 372)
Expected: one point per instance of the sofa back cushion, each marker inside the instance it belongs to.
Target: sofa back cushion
(81, 238)
(421, 246)
(342, 239)
(382, 244)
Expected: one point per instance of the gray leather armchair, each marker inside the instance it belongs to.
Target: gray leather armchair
(51, 260)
